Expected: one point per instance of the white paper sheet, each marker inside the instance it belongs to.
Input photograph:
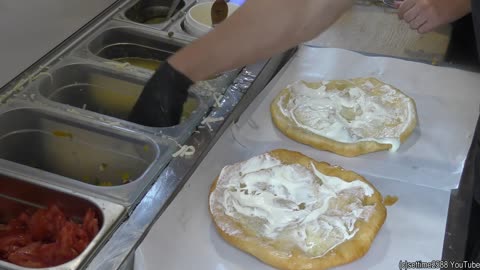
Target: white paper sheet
(377, 30)
(447, 104)
(184, 237)
(420, 174)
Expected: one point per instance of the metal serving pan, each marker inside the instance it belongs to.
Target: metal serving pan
(122, 41)
(78, 154)
(15, 188)
(107, 94)
(118, 41)
(152, 13)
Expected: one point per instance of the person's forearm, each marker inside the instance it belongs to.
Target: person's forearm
(257, 30)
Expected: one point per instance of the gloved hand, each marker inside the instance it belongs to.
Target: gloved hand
(161, 102)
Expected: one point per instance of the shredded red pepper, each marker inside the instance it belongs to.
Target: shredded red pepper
(45, 237)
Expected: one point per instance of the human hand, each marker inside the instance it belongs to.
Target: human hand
(162, 99)
(426, 15)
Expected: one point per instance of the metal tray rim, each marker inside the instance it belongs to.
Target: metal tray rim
(111, 193)
(111, 219)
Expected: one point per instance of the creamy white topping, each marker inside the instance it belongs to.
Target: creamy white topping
(313, 211)
(354, 114)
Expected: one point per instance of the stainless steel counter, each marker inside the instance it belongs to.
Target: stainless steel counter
(30, 29)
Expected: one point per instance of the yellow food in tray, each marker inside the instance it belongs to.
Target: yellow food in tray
(155, 20)
(346, 117)
(188, 107)
(295, 213)
(151, 64)
(61, 133)
(115, 97)
(112, 96)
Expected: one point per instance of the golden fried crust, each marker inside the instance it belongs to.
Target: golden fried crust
(296, 133)
(264, 249)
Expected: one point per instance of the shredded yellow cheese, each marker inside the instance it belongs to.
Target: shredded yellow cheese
(185, 150)
(210, 120)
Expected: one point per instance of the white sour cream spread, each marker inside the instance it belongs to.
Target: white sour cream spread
(311, 210)
(365, 112)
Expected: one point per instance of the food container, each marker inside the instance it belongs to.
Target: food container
(124, 43)
(19, 193)
(151, 12)
(107, 93)
(198, 20)
(78, 154)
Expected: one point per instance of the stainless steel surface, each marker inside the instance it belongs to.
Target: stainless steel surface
(128, 42)
(30, 29)
(73, 205)
(77, 155)
(172, 179)
(106, 93)
(21, 202)
(177, 29)
(173, 7)
(91, 88)
(152, 13)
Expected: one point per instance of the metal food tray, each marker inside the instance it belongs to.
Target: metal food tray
(103, 93)
(137, 11)
(114, 40)
(80, 154)
(29, 190)
(117, 39)
(65, 90)
(177, 29)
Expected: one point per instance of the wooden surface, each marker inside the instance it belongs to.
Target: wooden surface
(377, 30)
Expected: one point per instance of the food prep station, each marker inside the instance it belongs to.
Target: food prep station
(65, 140)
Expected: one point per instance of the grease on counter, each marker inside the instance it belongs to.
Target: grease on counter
(60, 133)
(390, 200)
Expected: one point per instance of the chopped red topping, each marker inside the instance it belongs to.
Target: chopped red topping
(45, 238)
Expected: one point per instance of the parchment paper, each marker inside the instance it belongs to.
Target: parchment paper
(447, 105)
(421, 173)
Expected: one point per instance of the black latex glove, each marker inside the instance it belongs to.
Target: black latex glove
(161, 102)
